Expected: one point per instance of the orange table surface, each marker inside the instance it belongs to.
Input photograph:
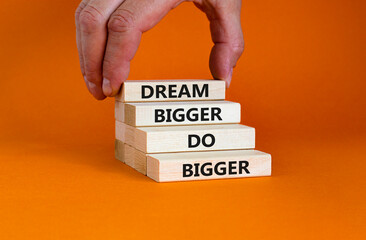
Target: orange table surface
(51, 191)
(301, 84)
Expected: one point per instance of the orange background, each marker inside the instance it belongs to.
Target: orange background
(301, 83)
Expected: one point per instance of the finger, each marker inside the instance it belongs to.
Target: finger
(78, 34)
(226, 34)
(93, 34)
(78, 39)
(125, 28)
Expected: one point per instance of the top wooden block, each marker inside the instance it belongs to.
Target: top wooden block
(171, 90)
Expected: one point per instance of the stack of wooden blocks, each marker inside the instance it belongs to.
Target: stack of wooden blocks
(178, 130)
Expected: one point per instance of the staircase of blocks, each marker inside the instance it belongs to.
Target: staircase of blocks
(184, 130)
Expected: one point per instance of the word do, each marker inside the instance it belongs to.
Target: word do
(195, 140)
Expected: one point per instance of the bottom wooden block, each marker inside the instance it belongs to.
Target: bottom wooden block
(119, 150)
(186, 166)
(130, 156)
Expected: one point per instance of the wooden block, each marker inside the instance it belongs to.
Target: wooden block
(119, 111)
(130, 156)
(119, 150)
(167, 167)
(140, 161)
(171, 90)
(177, 113)
(187, 138)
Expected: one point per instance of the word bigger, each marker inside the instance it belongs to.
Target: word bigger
(220, 168)
(171, 91)
(192, 114)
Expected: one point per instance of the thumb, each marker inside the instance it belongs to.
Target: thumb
(226, 33)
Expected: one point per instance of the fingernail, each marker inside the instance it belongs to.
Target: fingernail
(228, 79)
(107, 88)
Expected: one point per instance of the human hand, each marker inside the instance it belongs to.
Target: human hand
(108, 33)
